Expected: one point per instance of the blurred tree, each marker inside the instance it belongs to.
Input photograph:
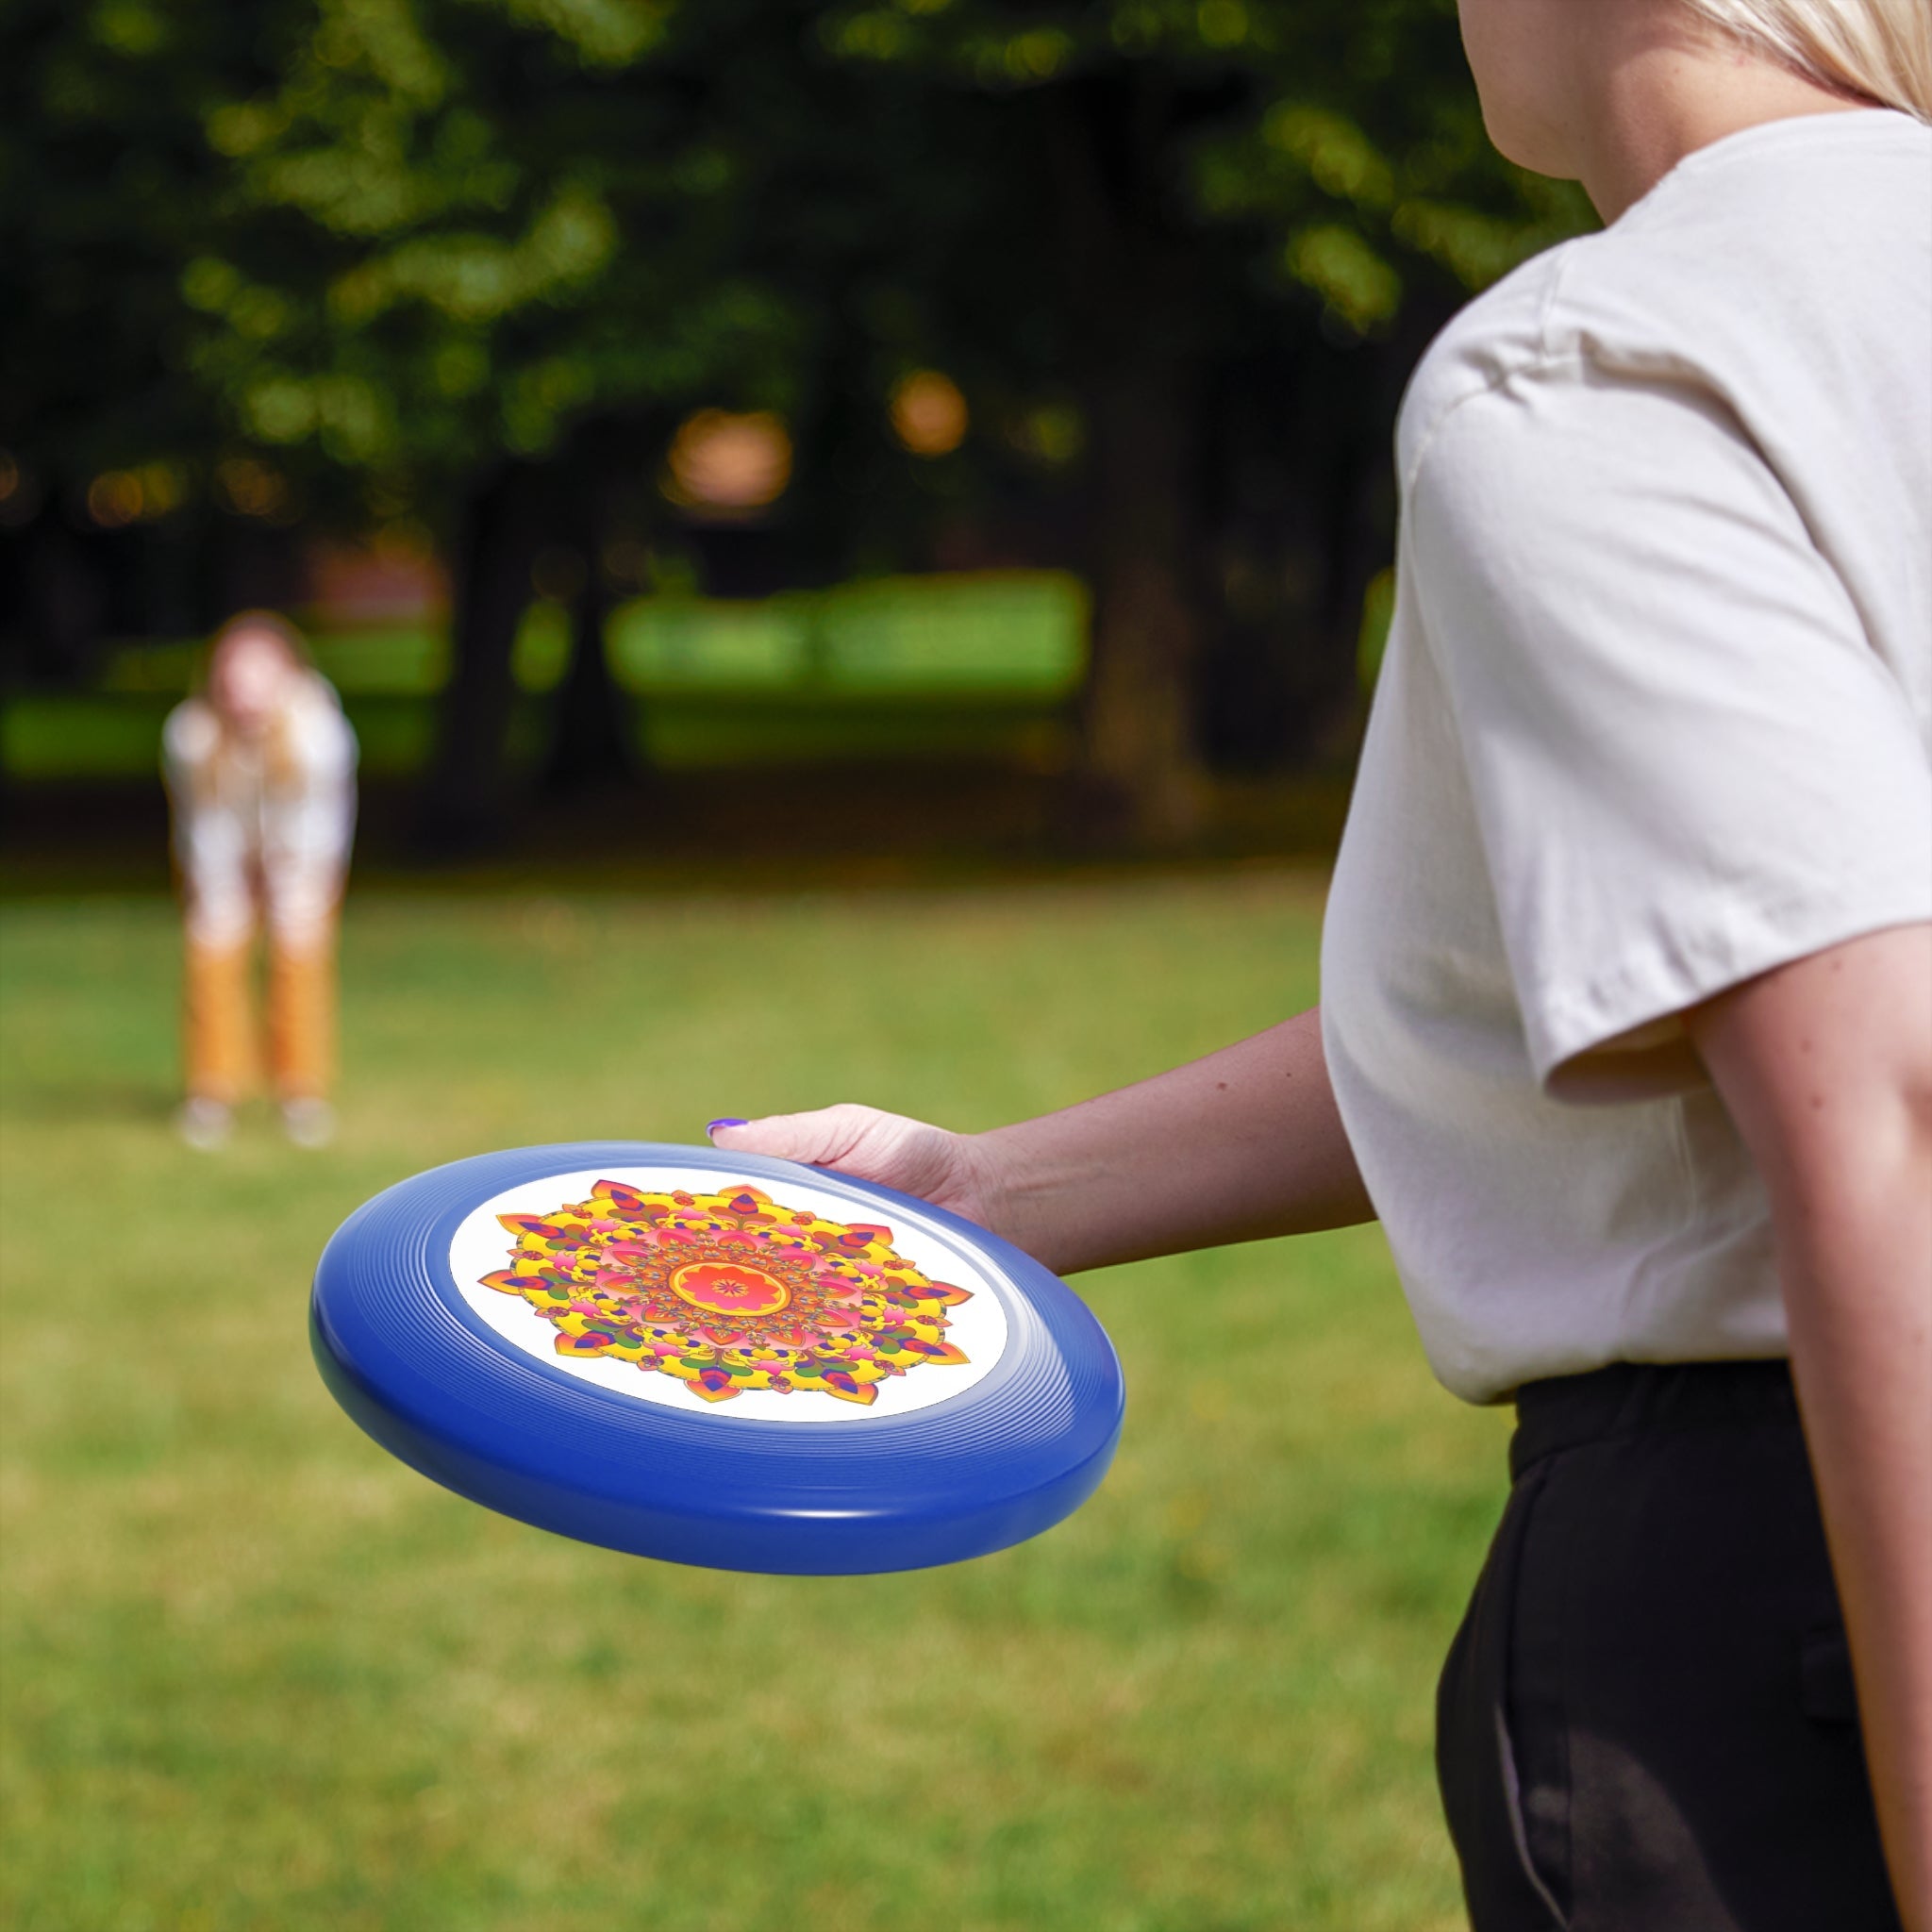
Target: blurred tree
(1236, 193)
(107, 189)
(469, 262)
(504, 247)
(510, 227)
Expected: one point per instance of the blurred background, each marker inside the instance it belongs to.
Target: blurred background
(855, 540)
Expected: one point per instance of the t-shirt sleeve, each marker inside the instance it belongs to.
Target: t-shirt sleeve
(1688, 761)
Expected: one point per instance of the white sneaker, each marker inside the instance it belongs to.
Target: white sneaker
(204, 1124)
(309, 1122)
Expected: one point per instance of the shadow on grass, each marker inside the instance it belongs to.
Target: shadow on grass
(782, 829)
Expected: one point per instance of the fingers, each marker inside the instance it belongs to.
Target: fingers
(910, 1156)
(820, 1139)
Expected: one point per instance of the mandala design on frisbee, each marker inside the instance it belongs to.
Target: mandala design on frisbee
(730, 1291)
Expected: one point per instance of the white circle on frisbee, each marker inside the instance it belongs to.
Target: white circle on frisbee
(977, 1326)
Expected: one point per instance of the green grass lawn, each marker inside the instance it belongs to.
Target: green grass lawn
(257, 1674)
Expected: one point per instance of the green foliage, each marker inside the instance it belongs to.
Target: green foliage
(261, 1674)
(1347, 133)
(107, 189)
(395, 238)
(499, 239)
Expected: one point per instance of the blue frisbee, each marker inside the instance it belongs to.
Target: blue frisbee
(716, 1358)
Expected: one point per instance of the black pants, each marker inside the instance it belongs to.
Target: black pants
(1646, 1721)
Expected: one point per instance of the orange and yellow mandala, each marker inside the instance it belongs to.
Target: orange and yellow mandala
(730, 1291)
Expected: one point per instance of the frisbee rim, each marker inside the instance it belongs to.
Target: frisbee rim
(782, 1497)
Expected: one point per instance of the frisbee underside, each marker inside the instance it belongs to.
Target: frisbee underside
(845, 1380)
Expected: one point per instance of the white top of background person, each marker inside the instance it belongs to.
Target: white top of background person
(261, 771)
(1629, 961)
(260, 768)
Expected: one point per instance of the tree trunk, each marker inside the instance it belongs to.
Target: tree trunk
(1141, 743)
(591, 741)
(62, 600)
(467, 799)
(1132, 301)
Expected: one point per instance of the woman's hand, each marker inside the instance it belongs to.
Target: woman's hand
(949, 1170)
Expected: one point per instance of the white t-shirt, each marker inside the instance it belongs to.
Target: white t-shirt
(1655, 716)
(252, 826)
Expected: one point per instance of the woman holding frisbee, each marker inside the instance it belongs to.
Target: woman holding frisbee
(1626, 1032)
(261, 777)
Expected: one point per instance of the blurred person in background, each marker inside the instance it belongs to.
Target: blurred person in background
(260, 768)
(1626, 1021)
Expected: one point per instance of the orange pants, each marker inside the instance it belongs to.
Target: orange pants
(222, 1044)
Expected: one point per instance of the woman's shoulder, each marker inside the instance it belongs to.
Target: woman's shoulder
(1498, 335)
(1754, 267)
(191, 733)
(319, 733)
(315, 695)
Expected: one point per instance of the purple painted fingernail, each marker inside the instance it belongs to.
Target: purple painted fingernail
(713, 1128)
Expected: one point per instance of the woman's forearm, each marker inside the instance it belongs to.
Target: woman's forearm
(1827, 1068)
(1243, 1145)
(1858, 1296)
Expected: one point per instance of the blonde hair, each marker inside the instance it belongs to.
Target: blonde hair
(1879, 50)
(282, 767)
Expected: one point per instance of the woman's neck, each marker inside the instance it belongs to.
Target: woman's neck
(1657, 96)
